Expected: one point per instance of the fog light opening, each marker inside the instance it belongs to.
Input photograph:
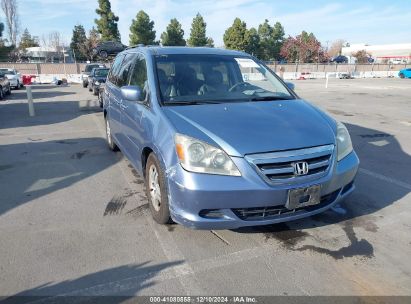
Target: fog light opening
(211, 214)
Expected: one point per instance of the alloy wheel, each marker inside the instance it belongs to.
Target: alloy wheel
(155, 191)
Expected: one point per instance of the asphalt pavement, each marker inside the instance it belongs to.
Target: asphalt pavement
(74, 219)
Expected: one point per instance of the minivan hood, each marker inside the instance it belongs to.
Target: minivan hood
(254, 127)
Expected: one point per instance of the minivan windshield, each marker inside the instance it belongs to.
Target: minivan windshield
(189, 79)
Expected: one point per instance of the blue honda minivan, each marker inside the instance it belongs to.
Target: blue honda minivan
(221, 141)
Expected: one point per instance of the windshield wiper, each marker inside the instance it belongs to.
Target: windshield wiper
(268, 98)
(189, 103)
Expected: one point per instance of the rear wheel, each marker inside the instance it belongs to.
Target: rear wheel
(110, 141)
(402, 75)
(156, 191)
(103, 54)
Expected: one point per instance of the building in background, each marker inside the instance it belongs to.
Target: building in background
(382, 53)
(40, 54)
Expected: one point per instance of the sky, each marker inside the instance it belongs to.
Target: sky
(366, 21)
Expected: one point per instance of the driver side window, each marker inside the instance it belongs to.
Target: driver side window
(139, 75)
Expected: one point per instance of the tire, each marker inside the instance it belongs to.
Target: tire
(95, 92)
(110, 141)
(103, 54)
(85, 84)
(1, 93)
(8, 92)
(90, 89)
(156, 191)
(18, 85)
(100, 100)
(402, 76)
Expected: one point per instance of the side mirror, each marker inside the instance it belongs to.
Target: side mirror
(290, 85)
(132, 93)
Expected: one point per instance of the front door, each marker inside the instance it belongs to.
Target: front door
(134, 113)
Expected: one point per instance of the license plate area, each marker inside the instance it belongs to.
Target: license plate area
(303, 197)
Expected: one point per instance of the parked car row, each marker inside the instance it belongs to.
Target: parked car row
(9, 79)
(96, 78)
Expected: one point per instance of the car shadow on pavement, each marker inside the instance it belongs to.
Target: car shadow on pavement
(383, 168)
(31, 170)
(14, 115)
(114, 285)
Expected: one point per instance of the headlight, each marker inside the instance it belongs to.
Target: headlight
(344, 144)
(200, 157)
(97, 83)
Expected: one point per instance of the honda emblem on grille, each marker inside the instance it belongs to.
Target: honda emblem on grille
(300, 168)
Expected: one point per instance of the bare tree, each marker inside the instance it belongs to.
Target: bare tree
(336, 48)
(52, 46)
(9, 8)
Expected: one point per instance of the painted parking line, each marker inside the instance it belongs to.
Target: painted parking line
(385, 178)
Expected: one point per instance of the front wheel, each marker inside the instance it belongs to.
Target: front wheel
(156, 191)
(109, 136)
(402, 76)
(8, 92)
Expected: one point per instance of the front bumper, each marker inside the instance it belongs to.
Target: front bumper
(191, 194)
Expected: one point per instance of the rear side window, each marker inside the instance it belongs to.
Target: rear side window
(139, 75)
(115, 70)
(124, 73)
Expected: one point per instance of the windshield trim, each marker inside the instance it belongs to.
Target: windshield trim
(164, 103)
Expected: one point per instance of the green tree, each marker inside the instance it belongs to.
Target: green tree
(107, 23)
(235, 37)
(210, 42)
(174, 34)
(142, 30)
(271, 40)
(252, 40)
(27, 41)
(78, 40)
(198, 32)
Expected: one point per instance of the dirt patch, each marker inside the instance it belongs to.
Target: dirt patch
(79, 155)
(375, 135)
(356, 248)
(339, 112)
(115, 206)
(281, 232)
(66, 142)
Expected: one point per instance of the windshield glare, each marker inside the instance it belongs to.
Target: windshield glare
(216, 78)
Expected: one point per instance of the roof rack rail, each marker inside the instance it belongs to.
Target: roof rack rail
(135, 46)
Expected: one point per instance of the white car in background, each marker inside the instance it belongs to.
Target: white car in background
(14, 77)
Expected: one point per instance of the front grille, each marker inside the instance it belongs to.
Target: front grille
(266, 213)
(278, 167)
